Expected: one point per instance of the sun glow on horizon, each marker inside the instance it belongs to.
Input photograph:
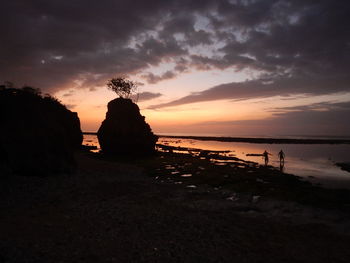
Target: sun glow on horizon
(208, 117)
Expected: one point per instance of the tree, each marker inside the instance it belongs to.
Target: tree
(122, 86)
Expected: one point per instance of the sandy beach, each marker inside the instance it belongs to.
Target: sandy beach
(158, 210)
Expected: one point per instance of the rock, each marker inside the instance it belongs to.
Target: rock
(256, 198)
(344, 166)
(38, 134)
(234, 197)
(125, 131)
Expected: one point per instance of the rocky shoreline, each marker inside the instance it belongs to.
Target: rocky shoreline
(159, 209)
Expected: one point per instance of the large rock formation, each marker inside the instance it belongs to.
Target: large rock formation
(124, 131)
(38, 134)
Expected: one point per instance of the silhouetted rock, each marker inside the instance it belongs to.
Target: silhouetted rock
(125, 131)
(38, 134)
(344, 166)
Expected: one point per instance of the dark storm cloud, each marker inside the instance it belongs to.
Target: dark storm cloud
(299, 46)
(51, 43)
(182, 26)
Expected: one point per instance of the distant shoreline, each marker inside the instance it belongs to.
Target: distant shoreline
(253, 140)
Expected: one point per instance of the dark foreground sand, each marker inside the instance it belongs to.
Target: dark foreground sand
(114, 211)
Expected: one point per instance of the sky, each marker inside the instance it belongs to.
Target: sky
(209, 67)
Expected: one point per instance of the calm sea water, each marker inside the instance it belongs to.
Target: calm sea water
(315, 163)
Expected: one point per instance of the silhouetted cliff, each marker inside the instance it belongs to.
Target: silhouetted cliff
(38, 134)
(125, 131)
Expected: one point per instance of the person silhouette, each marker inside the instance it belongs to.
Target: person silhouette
(266, 157)
(281, 155)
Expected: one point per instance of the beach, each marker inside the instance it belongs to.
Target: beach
(321, 164)
(138, 210)
(175, 131)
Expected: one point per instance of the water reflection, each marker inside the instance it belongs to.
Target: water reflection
(312, 162)
(91, 140)
(282, 166)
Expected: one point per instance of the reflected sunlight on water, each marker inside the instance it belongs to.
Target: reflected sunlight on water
(91, 140)
(314, 163)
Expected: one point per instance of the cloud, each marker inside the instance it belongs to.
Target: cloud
(71, 106)
(264, 87)
(321, 106)
(143, 96)
(55, 44)
(297, 50)
(317, 119)
(152, 79)
(69, 93)
(91, 39)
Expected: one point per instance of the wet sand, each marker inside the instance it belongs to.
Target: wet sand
(160, 209)
(313, 162)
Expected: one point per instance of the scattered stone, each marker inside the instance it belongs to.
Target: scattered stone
(255, 198)
(233, 198)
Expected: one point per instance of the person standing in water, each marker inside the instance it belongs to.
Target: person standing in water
(281, 155)
(266, 157)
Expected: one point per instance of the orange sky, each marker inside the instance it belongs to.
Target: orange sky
(206, 118)
(206, 67)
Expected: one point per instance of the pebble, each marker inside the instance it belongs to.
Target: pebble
(232, 198)
(255, 198)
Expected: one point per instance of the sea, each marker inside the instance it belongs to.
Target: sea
(315, 163)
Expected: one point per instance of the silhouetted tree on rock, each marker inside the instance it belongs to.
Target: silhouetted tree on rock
(125, 131)
(123, 87)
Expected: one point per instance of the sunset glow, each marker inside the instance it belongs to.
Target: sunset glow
(175, 131)
(217, 67)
